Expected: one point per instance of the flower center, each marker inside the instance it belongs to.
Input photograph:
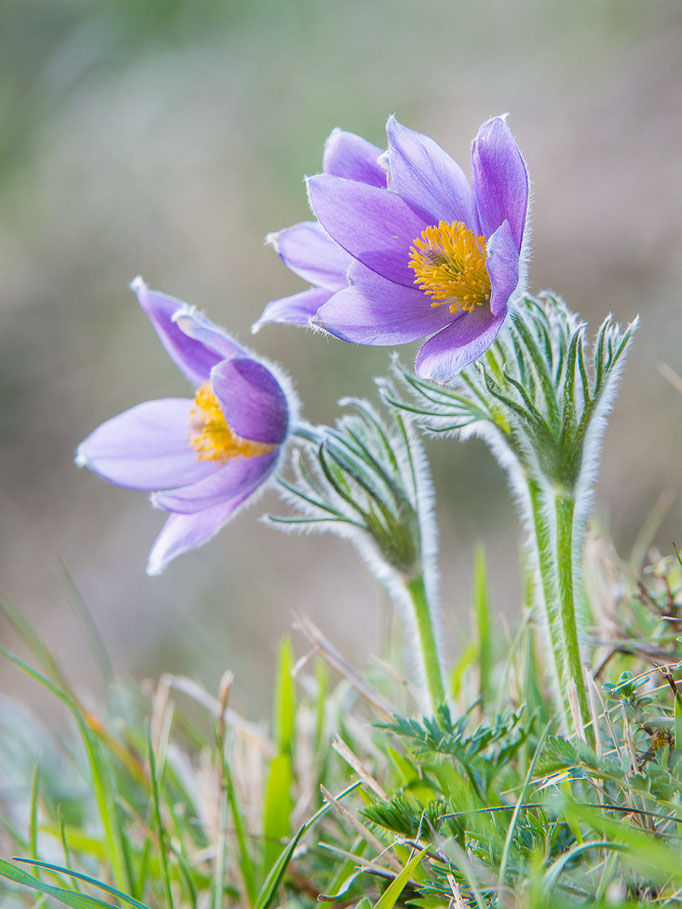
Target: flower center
(211, 437)
(449, 265)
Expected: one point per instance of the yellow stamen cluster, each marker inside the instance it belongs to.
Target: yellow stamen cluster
(449, 265)
(211, 437)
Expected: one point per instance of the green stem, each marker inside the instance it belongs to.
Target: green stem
(547, 594)
(416, 590)
(556, 594)
(564, 506)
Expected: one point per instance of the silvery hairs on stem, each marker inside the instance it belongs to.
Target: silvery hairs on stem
(367, 480)
(533, 398)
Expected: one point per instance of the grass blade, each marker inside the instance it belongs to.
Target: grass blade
(106, 804)
(276, 874)
(160, 829)
(86, 879)
(277, 807)
(391, 894)
(69, 898)
(285, 699)
(517, 809)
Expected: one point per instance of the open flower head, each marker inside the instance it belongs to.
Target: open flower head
(201, 457)
(405, 248)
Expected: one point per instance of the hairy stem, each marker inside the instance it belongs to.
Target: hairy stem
(564, 507)
(553, 531)
(416, 590)
(547, 593)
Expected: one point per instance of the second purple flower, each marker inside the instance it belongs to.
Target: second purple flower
(405, 248)
(201, 457)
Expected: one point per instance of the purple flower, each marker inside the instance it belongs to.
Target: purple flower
(405, 248)
(202, 458)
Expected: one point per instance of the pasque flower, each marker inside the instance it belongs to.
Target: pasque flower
(201, 457)
(405, 248)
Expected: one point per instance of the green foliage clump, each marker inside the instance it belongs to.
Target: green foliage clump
(166, 797)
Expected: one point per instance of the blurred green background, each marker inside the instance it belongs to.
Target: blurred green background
(166, 138)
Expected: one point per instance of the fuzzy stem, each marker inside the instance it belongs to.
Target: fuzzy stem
(416, 591)
(564, 505)
(554, 555)
(547, 594)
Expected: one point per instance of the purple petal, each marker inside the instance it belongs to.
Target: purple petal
(146, 447)
(294, 310)
(500, 179)
(240, 475)
(193, 357)
(428, 178)
(360, 274)
(503, 268)
(194, 324)
(453, 348)
(373, 225)
(311, 253)
(252, 400)
(347, 155)
(381, 313)
(182, 532)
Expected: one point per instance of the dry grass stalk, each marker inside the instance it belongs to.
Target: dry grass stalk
(342, 812)
(354, 761)
(334, 658)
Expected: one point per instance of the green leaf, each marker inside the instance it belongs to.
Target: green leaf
(347, 873)
(285, 699)
(678, 721)
(559, 754)
(390, 895)
(35, 644)
(277, 870)
(68, 897)
(106, 803)
(245, 862)
(160, 829)
(461, 667)
(88, 880)
(517, 809)
(408, 772)
(276, 809)
(553, 873)
(642, 850)
(407, 812)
